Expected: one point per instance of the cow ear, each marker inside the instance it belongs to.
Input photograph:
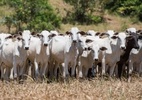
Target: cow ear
(138, 31)
(9, 37)
(104, 35)
(129, 37)
(61, 34)
(20, 33)
(33, 33)
(39, 35)
(98, 33)
(114, 37)
(127, 31)
(18, 38)
(88, 41)
(140, 37)
(103, 48)
(82, 33)
(68, 33)
(52, 35)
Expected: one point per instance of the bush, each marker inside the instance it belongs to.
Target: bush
(34, 15)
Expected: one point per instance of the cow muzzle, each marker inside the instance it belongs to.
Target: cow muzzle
(46, 45)
(74, 41)
(137, 47)
(123, 48)
(96, 59)
(26, 48)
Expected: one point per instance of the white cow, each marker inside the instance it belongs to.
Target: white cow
(117, 44)
(38, 51)
(12, 56)
(64, 50)
(94, 52)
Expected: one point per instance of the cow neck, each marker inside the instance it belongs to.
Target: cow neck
(116, 47)
(70, 43)
(107, 43)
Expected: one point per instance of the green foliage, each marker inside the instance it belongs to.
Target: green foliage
(131, 8)
(82, 12)
(34, 15)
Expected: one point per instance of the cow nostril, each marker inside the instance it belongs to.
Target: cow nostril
(89, 48)
(123, 48)
(85, 49)
(45, 44)
(74, 41)
(26, 48)
(96, 59)
(137, 47)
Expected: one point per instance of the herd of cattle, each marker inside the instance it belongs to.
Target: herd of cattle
(110, 53)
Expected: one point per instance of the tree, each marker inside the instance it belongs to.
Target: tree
(83, 11)
(8, 22)
(131, 8)
(34, 15)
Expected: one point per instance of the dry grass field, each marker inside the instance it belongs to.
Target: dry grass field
(95, 89)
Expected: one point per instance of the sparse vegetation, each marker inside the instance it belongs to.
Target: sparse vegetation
(74, 90)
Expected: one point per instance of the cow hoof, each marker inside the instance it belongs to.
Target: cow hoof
(21, 81)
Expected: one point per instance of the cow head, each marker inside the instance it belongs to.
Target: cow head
(54, 32)
(139, 32)
(44, 36)
(73, 33)
(4, 37)
(94, 46)
(132, 40)
(131, 30)
(26, 37)
(122, 37)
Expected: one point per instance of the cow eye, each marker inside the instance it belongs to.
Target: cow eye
(114, 37)
(88, 41)
(103, 48)
(80, 41)
(140, 37)
(89, 48)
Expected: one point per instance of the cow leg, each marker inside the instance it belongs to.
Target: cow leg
(120, 66)
(66, 68)
(55, 69)
(116, 71)
(80, 71)
(130, 69)
(140, 70)
(36, 69)
(15, 68)
(2, 72)
(51, 69)
(11, 74)
(73, 69)
(85, 72)
(112, 70)
(93, 70)
(44, 69)
(103, 66)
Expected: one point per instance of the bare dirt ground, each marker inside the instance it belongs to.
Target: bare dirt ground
(96, 89)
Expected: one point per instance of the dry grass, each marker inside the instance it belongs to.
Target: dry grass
(74, 90)
(113, 22)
